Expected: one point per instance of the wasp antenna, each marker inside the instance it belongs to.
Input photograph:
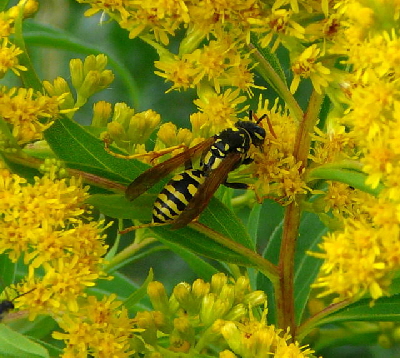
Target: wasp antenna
(25, 293)
(264, 116)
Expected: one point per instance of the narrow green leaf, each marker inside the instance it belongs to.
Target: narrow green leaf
(253, 222)
(29, 77)
(120, 285)
(16, 345)
(306, 267)
(219, 218)
(82, 151)
(118, 207)
(40, 328)
(353, 178)
(384, 309)
(141, 292)
(214, 217)
(199, 266)
(7, 271)
(270, 57)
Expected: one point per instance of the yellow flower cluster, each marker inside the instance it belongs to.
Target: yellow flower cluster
(48, 225)
(363, 253)
(214, 55)
(279, 174)
(100, 329)
(223, 314)
(28, 113)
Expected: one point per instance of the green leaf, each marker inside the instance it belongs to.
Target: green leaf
(82, 151)
(121, 285)
(16, 345)
(199, 266)
(253, 222)
(141, 292)
(40, 328)
(384, 309)
(45, 35)
(353, 178)
(306, 267)
(29, 77)
(218, 218)
(117, 206)
(270, 57)
(7, 271)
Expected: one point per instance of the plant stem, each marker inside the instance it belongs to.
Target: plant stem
(265, 69)
(285, 289)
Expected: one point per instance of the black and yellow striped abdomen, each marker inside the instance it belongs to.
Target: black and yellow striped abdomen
(176, 195)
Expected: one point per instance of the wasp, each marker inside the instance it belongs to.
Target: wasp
(188, 193)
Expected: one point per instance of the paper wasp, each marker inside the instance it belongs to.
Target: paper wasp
(188, 193)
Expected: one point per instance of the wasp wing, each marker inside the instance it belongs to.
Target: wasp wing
(153, 175)
(205, 192)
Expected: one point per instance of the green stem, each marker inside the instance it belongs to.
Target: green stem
(265, 69)
(285, 289)
(263, 265)
(128, 252)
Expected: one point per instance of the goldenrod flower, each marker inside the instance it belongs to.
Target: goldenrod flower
(221, 109)
(277, 172)
(9, 58)
(100, 329)
(6, 25)
(29, 113)
(43, 222)
(307, 65)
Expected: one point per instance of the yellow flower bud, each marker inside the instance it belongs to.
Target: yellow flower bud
(167, 134)
(122, 114)
(183, 295)
(116, 131)
(237, 312)
(255, 298)
(227, 354)
(95, 63)
(76, 70)
(30, 8)
(200, 288)
(93, 82)
(232, 335)
(142, 125)
(101, 114)
(217, 282)
(184, 136)
(200, 127)
(158, 296)
(213, 308)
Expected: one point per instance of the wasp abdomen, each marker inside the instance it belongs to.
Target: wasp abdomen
(176, 195)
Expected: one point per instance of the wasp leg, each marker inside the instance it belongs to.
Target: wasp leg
(152, 155)
(238, 185)
(142, 226)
